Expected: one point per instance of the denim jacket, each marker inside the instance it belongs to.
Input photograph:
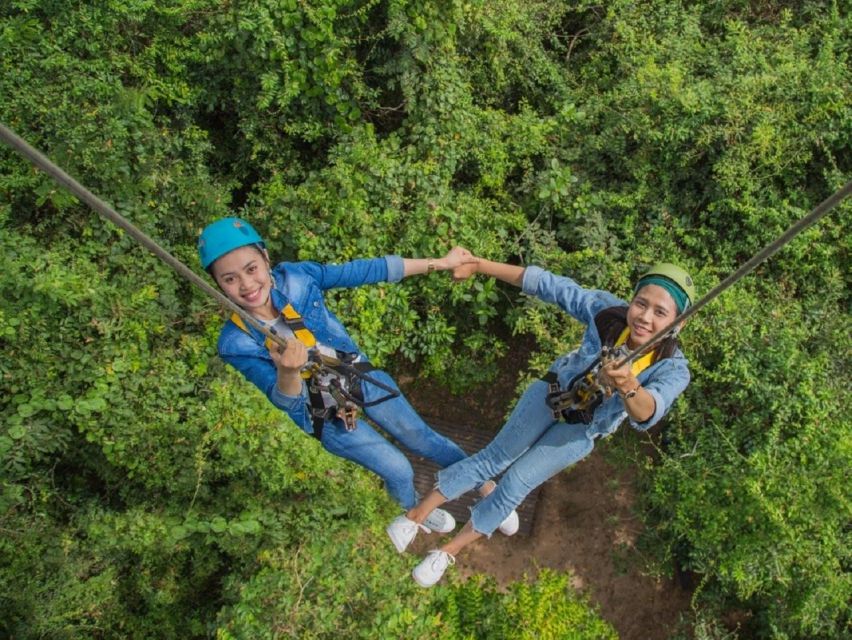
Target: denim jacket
(302, 285)
(665, 380)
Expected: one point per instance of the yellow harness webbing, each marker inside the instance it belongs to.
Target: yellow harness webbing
(586, 394)
(640, 364)
(292, 319)
(296, 324)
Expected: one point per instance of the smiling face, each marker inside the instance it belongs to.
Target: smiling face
(651, 310)
(243, 274)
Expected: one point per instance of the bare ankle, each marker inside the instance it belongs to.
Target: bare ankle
(417, 514)
(487, 487)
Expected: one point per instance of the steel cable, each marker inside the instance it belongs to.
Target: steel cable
(770, 249)
(102, 208)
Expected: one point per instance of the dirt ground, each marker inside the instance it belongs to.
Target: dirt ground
(584, 524)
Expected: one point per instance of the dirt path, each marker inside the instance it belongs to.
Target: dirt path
(584, 524)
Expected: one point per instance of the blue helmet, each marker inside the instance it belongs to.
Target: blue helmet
(223, 236)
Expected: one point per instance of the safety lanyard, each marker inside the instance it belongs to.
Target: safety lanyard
(586, 392)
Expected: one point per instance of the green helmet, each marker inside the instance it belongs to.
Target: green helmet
(673, 273)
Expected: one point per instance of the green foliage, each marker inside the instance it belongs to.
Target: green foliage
(325, 588)
(760, 508)
(53, 586)
(547, 608)
(148, 491)
(318, 590)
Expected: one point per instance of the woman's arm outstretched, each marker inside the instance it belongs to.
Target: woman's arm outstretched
(510, 273)
(456, 258)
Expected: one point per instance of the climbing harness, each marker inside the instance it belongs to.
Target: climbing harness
(581, 391)
(587, 392)
(342, 376)
(333, 391)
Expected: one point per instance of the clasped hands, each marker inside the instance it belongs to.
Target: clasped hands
(291, 359)
(461, 262)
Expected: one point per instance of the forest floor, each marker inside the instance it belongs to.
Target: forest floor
(585, 521)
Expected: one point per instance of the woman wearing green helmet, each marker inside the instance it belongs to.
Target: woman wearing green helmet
(288, 299)
(534, 445)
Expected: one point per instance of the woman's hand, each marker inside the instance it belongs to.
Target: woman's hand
(456, 257)
(620, 379)
(462, 263)
(289, 360)
(639, 404)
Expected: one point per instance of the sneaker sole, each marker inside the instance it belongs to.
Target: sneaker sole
(434, 530)
(428, 530)
(425, 585)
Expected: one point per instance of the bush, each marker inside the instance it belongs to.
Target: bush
(592, 140)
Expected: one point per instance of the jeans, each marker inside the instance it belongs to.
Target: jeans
(531, 447)
(366, 447)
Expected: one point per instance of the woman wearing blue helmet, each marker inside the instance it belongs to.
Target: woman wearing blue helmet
(288, 299)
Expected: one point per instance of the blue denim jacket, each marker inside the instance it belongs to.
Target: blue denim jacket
(302, 285)
(665, 380)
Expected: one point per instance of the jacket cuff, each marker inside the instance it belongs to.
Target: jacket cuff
(532, 276)
(659, 411)
(396, 269)
(288, 403)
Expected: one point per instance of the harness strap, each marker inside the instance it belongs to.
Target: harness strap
(297, 326)
(292, 319)
(584, 390)
(640, 364)
(318, 412)
(304, 335)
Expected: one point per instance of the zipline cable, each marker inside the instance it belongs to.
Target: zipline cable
(103, 209)
(770, 249)
(45, 164)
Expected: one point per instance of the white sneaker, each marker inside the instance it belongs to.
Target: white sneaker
(439, 521)
(510, 525)
(402, 531)
(433, 566)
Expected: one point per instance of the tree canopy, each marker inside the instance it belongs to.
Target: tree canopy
(147, 491)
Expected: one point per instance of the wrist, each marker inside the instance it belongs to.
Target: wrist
(289, 372)
(629, 390)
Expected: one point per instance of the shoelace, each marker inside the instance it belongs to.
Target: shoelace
(429, 527)
(437, 556)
